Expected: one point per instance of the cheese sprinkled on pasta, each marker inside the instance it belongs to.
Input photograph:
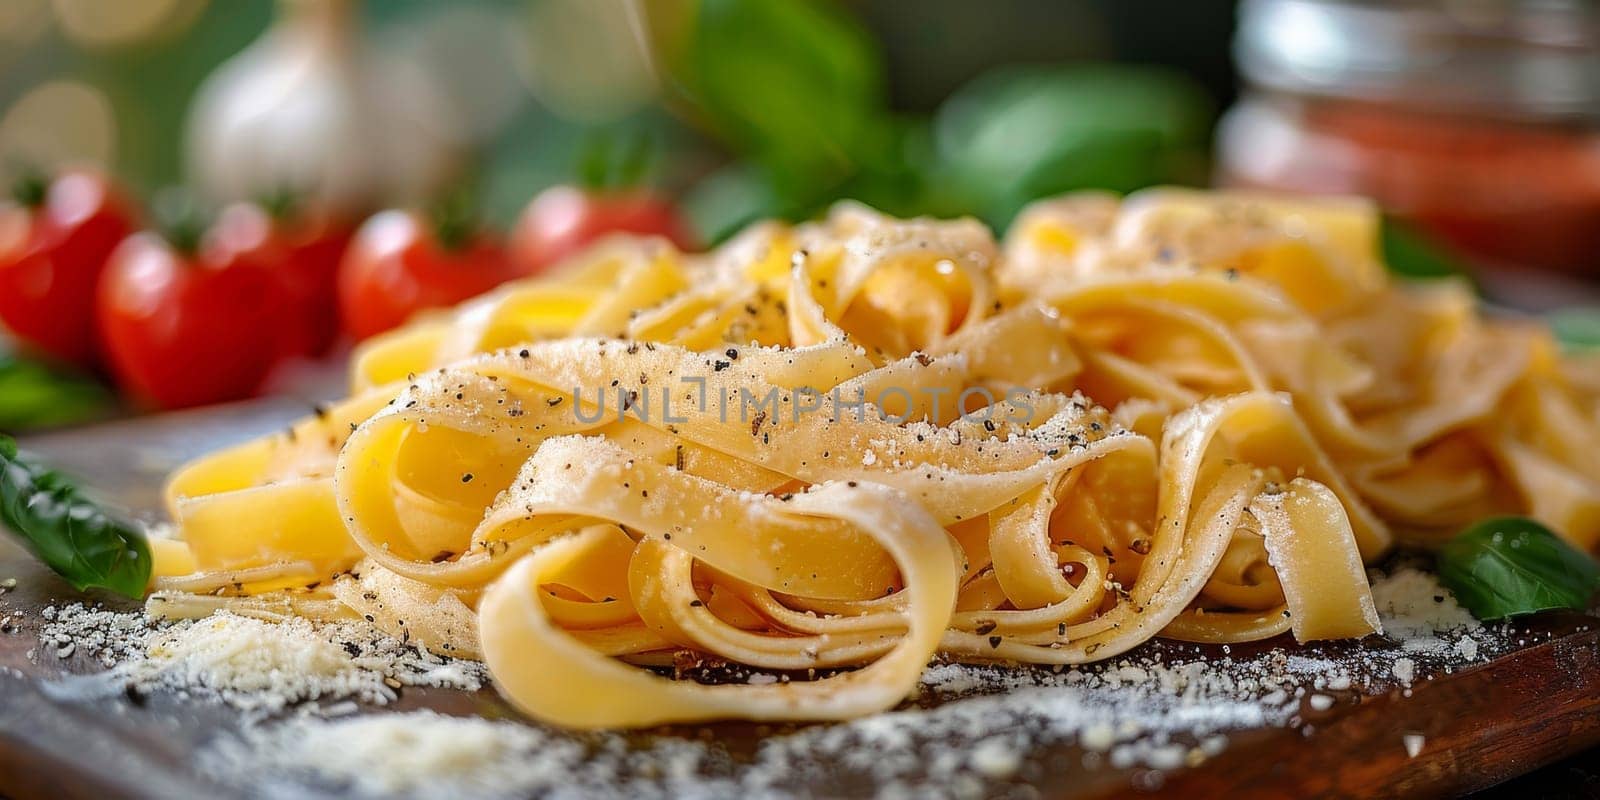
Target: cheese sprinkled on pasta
(837, 449)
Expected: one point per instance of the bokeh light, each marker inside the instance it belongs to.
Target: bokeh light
(122, 23)
(584, 58)
(466, 53)
(55, 124)
(21, 21)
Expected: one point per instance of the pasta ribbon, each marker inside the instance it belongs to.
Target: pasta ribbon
(838, 449)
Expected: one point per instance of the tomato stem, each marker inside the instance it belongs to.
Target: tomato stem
(180, 219)
(454, 219)
(30, 187)
(282, 204)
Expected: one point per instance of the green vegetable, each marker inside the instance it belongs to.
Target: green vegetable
(1510, 566)
(795, 85)
(1019, 133)
(36, 395)
(1410, 253)
(731, 198)
(1576, 328)
(68, 532)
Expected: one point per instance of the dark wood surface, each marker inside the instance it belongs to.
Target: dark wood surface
(1480, 726)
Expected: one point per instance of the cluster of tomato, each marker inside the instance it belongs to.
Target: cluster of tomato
(184, 318)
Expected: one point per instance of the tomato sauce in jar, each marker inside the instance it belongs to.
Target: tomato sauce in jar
(1482, 130)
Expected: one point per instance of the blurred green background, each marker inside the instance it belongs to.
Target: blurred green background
(744, 108)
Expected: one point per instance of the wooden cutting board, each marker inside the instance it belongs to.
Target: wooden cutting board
(1478, 726)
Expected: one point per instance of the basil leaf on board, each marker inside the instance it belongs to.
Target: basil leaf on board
(68, 532)
(1510, 566)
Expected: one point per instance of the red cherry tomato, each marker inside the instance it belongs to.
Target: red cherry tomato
(563, 220)
(53, 246)
(396, 265)
(185, 330)
(303, 252)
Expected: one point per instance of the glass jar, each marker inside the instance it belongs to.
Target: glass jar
(1477, 121)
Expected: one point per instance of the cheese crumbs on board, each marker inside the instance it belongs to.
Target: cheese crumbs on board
(251, 664)
(972, 729)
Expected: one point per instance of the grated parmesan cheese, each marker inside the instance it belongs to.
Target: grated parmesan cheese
(250, 664)
(972, 729)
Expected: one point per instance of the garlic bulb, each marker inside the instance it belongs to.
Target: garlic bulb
(305, 108)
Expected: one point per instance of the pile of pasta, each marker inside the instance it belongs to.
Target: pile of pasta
(836, 450)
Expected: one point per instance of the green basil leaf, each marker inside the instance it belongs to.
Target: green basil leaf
(1018, 133)
(71, 534)
(35, 395)
(1411, 253)
(795, 85)
(1510, 566)
(1577, 329)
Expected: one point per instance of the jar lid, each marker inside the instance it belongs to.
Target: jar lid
(1515, 59)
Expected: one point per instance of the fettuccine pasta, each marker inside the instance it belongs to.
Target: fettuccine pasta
(836, 450)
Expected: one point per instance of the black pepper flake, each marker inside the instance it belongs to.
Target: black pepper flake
(1061, 629)
(554, 401)
(466, 477)
(985, 626)
(524, 353)
(695, 604)
(720, 365)
(732, 354)
(994, 642)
